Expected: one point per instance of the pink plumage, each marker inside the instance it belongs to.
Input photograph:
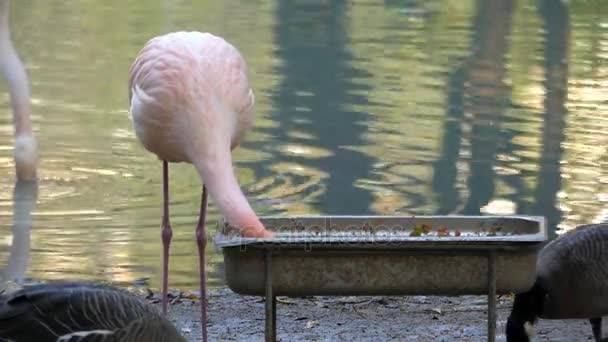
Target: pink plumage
(189, 83)
(191, 102)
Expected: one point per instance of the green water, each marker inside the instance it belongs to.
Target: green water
(362, 107)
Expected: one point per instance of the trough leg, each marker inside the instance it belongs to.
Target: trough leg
(271, 303)
(492, 297)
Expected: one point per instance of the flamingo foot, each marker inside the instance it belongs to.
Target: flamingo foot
(166, 235)
(201, 241)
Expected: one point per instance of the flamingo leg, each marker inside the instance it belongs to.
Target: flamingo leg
(166, 234)
(201, 241)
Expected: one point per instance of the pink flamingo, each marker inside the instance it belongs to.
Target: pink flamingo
(191, 102)
(26, 149)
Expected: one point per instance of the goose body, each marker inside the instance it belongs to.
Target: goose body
(571, 282)
(74, 312)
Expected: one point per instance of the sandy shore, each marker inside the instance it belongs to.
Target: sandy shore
(233, 317)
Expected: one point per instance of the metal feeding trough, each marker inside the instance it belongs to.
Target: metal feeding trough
(384, 255)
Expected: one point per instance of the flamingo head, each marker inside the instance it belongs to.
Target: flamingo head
(26, 157)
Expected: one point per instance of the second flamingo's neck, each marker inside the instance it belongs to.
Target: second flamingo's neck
(26, 149)
(13, 70)
(218, 176)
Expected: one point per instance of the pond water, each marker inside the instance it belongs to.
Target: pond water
(362, 107)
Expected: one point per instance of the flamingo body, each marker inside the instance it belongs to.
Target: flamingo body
(186, 88)
(191, 102)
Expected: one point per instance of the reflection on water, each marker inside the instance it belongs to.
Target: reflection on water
(25, 195)
(435, 107)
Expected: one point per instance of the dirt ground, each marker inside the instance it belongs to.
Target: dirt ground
(233, 317)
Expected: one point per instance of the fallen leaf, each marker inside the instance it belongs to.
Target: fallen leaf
(191, 295)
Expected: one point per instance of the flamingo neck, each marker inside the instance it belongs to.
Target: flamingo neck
(4, 8)
(14, 72)
(6, 46)
(218, 176)
(26, 150)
